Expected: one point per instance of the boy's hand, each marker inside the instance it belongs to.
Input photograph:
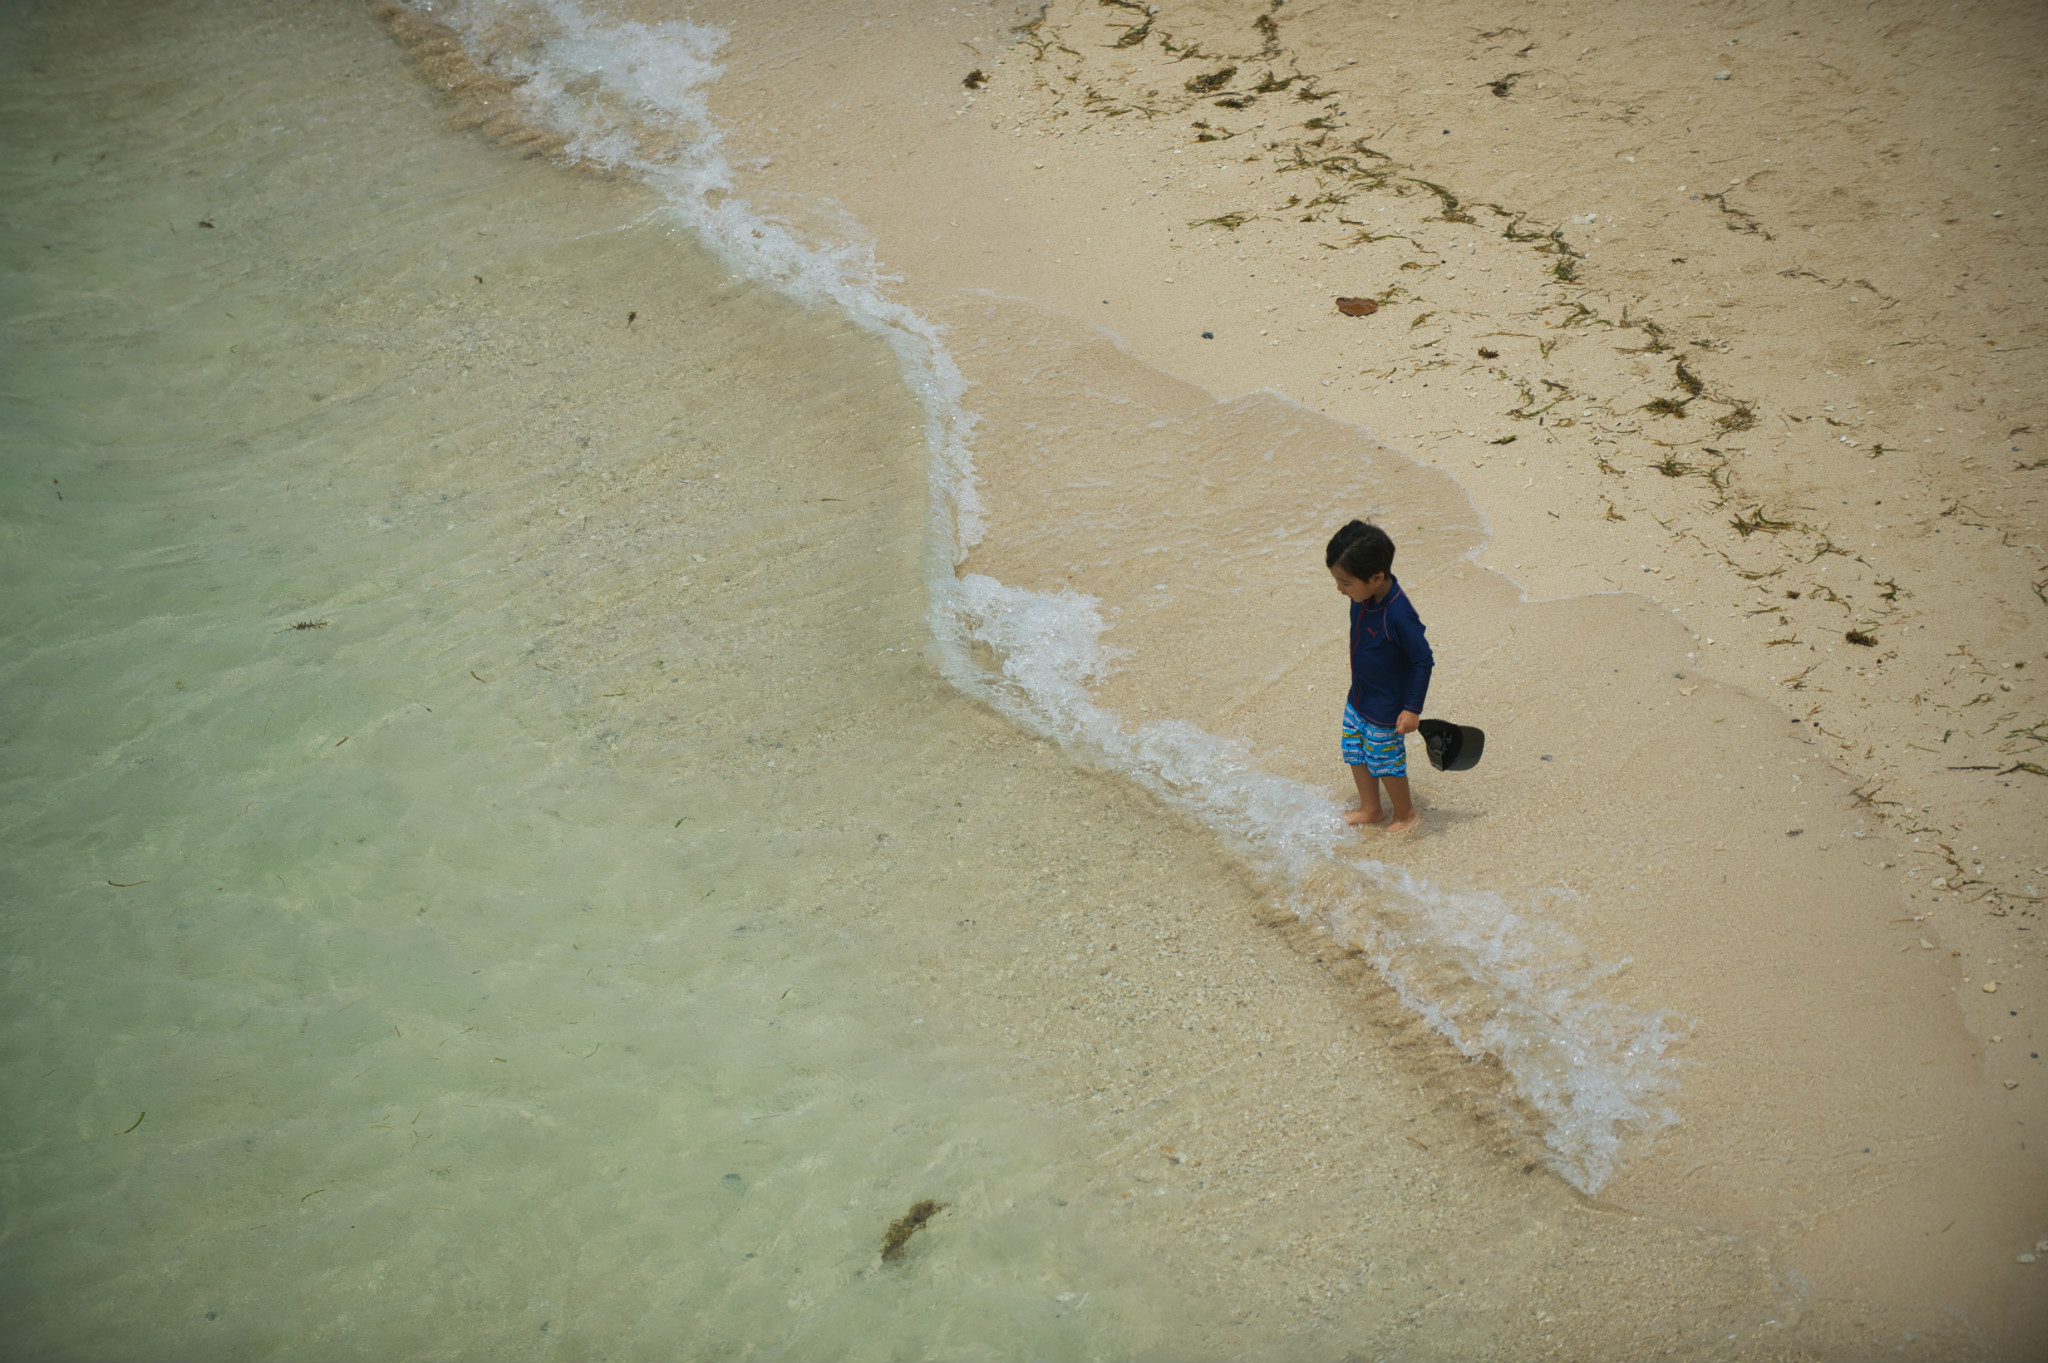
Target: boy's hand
(1408, 722)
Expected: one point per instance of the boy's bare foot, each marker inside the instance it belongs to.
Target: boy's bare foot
(1356, 817)
(1399, 826)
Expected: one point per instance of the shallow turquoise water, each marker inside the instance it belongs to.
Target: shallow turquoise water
(513, 961)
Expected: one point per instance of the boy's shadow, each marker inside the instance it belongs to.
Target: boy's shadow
(1449, 816)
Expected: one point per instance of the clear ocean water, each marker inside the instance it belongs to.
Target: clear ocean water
(475, 793)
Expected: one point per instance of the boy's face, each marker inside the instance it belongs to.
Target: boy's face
(1372, 589)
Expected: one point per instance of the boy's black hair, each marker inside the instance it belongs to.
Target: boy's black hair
(1361, 550)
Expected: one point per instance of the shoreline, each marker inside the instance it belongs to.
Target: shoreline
(1691, 566)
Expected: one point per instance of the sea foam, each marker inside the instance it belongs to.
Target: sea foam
(1495, 977)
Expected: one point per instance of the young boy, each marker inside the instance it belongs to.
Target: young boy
(1390, 667)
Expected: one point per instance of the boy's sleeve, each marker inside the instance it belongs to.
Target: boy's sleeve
(1421, 662)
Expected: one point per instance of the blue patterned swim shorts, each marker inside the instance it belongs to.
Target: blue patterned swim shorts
(1382, 752)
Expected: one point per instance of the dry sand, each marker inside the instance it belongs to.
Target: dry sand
(1705, 364)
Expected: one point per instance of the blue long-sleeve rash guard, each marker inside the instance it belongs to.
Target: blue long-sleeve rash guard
(1390, 658)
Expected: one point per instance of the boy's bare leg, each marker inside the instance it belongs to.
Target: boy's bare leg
(1405, 816)
(1368, 810)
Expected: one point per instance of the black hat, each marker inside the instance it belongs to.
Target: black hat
(1452, 747)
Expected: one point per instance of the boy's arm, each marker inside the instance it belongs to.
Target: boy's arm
(1421, 662)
